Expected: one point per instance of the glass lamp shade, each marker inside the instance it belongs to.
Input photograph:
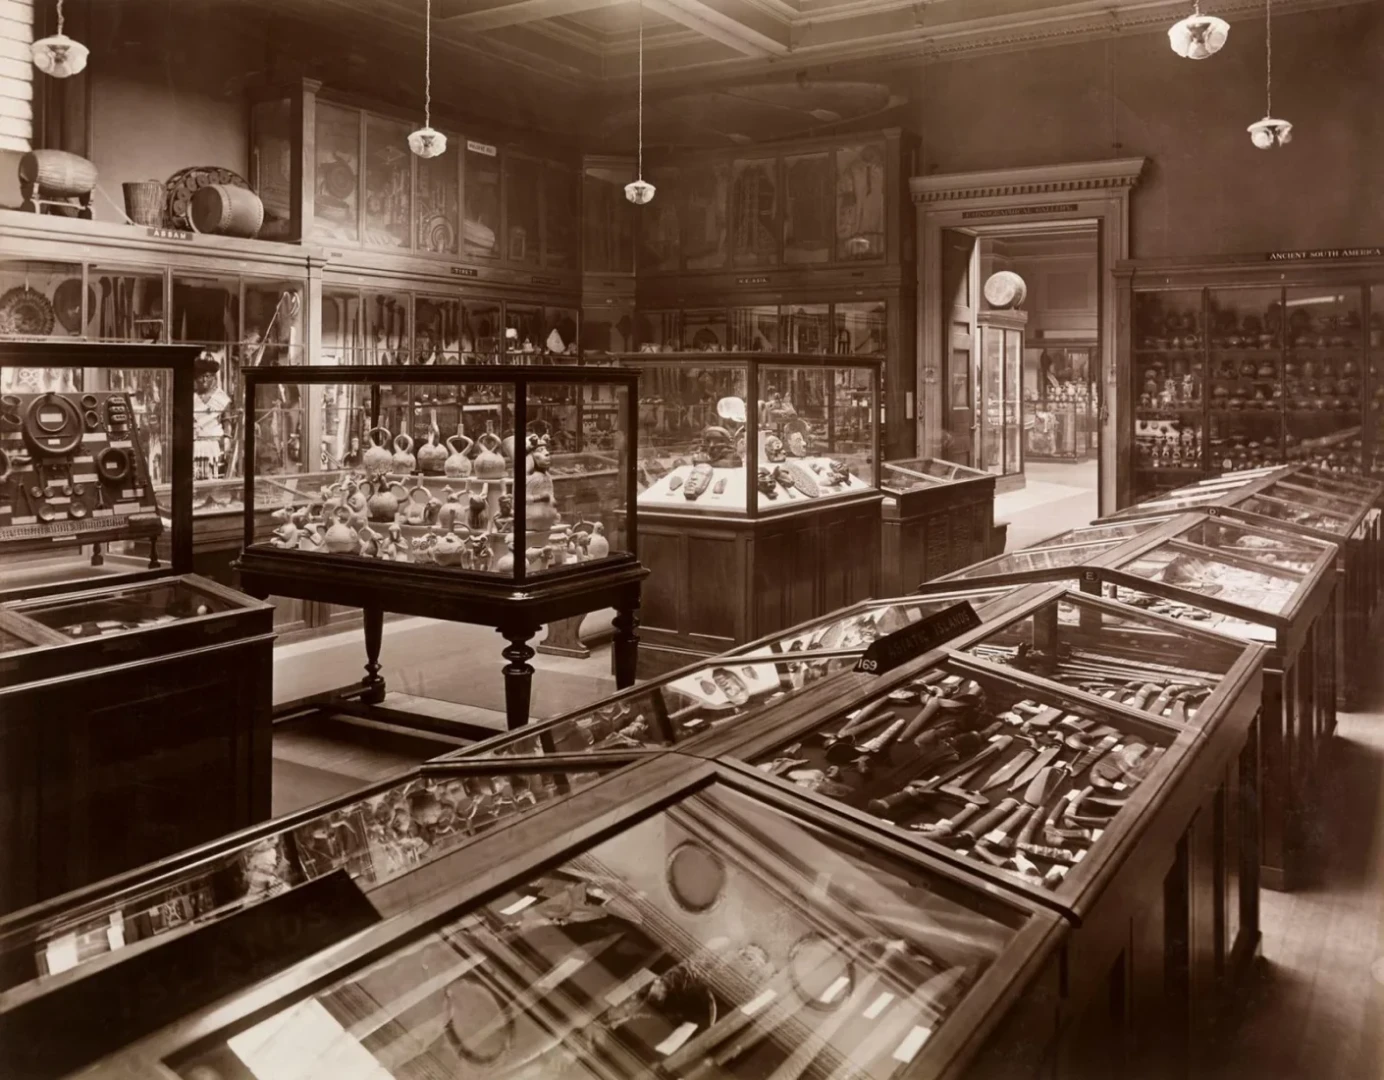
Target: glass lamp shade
(1268, 132)
(427, 142)
(1198, 36)
(640, 192)
(59, 56)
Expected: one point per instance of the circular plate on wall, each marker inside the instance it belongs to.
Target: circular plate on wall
(1005, 289)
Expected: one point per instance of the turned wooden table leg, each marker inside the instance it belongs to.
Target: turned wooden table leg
(625, 651)
(518, 675)
(374, 638)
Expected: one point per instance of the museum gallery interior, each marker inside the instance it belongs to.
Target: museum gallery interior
(693, 539)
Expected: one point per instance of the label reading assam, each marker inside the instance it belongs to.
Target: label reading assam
(892, 650)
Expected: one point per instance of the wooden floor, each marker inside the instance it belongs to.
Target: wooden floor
(1316, 1011)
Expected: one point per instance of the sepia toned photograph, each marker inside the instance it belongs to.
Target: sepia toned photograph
(691, 540)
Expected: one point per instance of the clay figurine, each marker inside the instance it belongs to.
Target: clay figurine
(448, 550)
(765, 482)
(340, 538)
(476, 507)
(540, 515)
(452, 513)
(286, 536)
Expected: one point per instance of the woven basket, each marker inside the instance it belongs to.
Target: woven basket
(144, 201)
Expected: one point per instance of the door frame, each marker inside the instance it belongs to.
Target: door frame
(1088, 190)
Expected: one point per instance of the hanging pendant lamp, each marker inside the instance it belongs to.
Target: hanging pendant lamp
(1269, 132)
(427, 142)
(640, 191)
(1198, 36)
(58, 55)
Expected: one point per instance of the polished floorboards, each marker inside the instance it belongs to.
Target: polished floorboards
(1315, 1008)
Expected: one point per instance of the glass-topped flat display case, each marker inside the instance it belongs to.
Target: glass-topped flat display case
(115, 624)
(938, 517)
(1179, 673)
(754, 433)
(1048, 563)
(86, 432)
(724, 931)
(1294, 504)
(473, 472)
(1099, 532)
(378, 836)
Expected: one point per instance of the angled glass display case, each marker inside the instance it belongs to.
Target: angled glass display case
(1258, 585)
(1098, 533)
(1146, 662)
(377, 835)
(722, 932)
(1048, 563)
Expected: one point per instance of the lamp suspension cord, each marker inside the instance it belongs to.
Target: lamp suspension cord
(427, 67)
(59, 18)
(1268, 55)
(641, 89)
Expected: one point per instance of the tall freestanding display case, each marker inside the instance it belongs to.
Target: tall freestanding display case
(499, 495)
(759, 500)
(134, 695)
(999, 397)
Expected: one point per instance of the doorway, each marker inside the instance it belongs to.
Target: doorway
(1023, 318)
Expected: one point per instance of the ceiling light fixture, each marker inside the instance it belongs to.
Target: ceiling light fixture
(1268, 132)
(426, 142)
(640, 191)
(1198, 36)
(58, 55)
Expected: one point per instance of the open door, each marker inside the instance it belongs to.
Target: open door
(959, 302)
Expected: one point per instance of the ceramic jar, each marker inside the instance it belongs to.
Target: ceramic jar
(404, 461)
(382, 500)
(377, 459)
(489, 464)
(340, 538)
(458, 465)
(432, 456)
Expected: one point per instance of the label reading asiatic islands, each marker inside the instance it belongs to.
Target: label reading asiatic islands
(892, 650)
(1326, 253)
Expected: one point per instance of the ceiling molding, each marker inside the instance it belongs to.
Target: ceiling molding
(1085, 176)
(524, 11)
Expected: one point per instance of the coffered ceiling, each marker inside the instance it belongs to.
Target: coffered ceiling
(717, 72)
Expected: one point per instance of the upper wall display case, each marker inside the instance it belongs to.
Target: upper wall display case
(342, 177)
(1232, 365)
(755, 434)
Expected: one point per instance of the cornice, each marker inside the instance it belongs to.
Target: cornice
(1082, 176)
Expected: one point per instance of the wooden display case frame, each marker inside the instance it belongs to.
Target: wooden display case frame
(932, 531)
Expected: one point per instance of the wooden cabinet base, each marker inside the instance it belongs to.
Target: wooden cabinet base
(716, 583)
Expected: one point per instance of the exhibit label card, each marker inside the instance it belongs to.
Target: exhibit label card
(886, 653)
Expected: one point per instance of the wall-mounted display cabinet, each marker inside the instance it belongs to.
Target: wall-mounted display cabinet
(342, 176)
(1231, 365)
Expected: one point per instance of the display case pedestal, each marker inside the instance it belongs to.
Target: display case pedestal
(515, 610)
(720, 582)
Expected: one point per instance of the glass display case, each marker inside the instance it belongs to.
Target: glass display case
(470, 471)
(1260, 368)
(86, 628)
(755, 434)
(1061, 402)
(86, 431)
(377, 836)
(1097, 533)
(1060, 794)
(1054, 562)
(938, 518)
(1145, 662)
(1295, 504)
(690, 941)
(1000, 420)
(778, 674)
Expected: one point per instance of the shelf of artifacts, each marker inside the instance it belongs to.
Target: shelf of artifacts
(758, 495)
(130, 683)
(437, 510)
(1232, 366)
